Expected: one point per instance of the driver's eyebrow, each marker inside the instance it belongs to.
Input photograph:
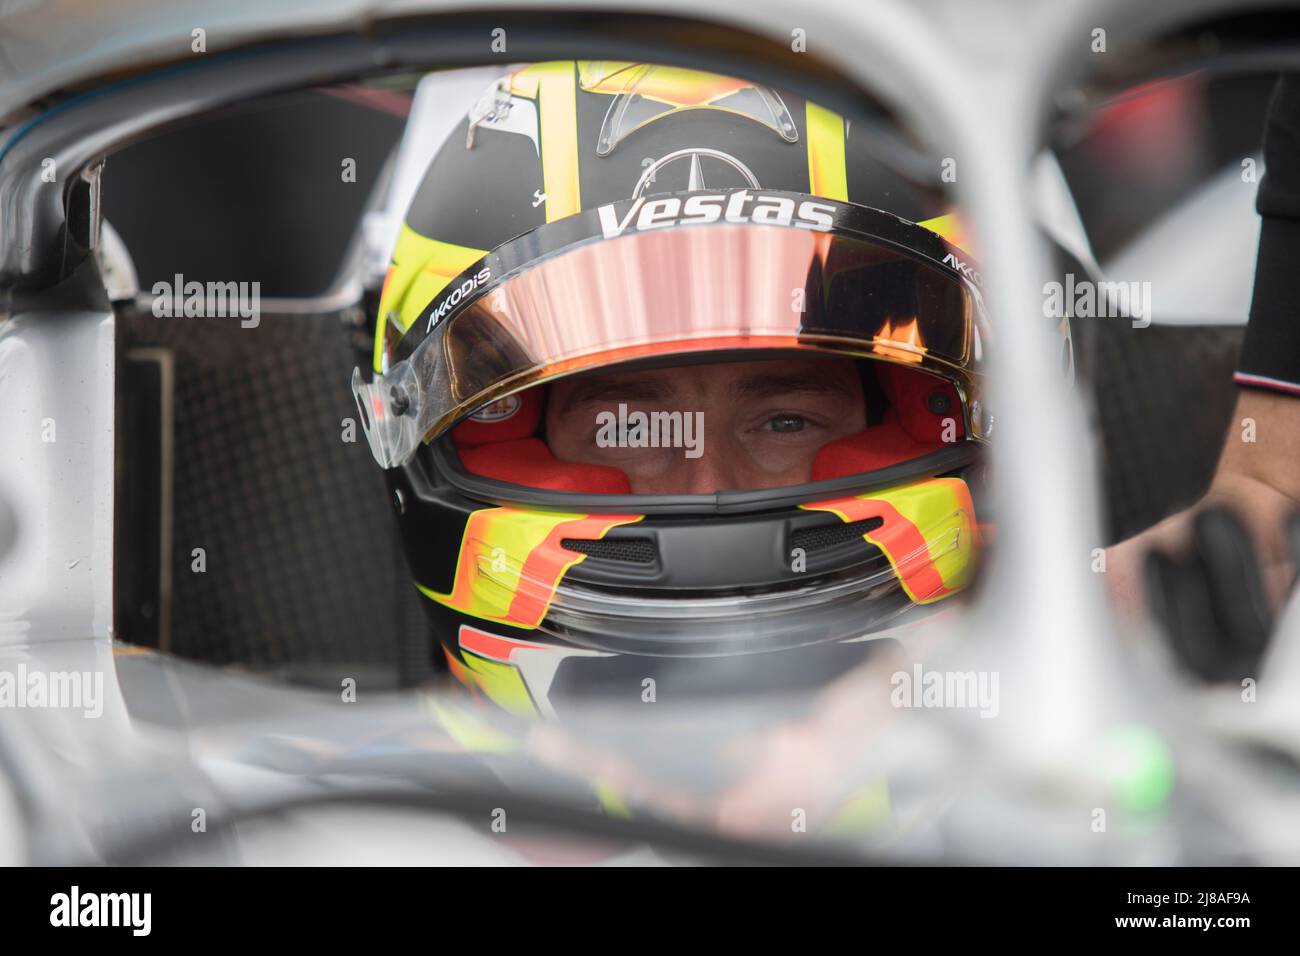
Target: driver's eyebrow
(768, 384)
(612, 390)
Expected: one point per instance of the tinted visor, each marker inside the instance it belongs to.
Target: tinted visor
(793, 275)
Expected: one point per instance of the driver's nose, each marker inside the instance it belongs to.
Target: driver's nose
(719, 468)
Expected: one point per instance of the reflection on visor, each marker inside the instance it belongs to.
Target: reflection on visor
(662, 292)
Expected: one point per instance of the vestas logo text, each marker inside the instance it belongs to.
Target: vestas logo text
(457, 296)
(740, 206)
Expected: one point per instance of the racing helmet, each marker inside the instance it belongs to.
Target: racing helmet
(593, 217)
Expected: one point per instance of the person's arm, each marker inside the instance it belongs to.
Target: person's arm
(1258, 474)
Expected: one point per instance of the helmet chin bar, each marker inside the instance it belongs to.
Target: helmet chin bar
(735, 573)
(851, 605)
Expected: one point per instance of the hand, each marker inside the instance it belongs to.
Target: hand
(1212, 602)
(1257, 480)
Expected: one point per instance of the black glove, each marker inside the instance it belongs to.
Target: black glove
(1212, 603)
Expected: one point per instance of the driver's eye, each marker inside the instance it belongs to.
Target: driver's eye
(787, 423)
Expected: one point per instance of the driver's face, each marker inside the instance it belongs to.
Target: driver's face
(762, 422)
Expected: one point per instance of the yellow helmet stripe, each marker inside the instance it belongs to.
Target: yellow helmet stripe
(421, 269)
(827, 171)
(502, 683)
(942, 509)
(928, 534)
(950, 227)
(469, 730)
(511, 561)
(557, 108)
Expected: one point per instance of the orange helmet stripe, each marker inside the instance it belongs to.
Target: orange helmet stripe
(511, 562)
(928, 533)
(546, 564)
